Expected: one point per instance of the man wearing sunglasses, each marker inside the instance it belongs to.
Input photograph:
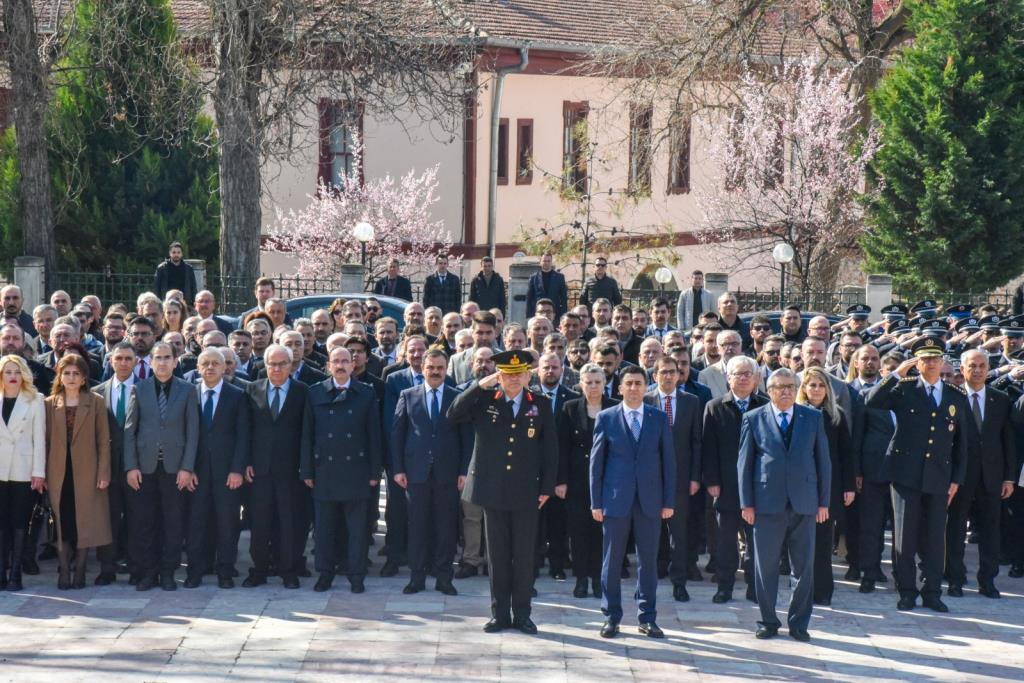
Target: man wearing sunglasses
(601, 286)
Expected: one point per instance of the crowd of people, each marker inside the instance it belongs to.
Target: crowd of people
(160, 429)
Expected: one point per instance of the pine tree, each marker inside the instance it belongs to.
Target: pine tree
(950, 210)
(132, 156)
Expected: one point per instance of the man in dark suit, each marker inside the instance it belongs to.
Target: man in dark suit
(205, 305)
(547, 283)
(873, 496)
(785, 479)
(394, 284)
(300, 370)
(115, 393)
(684, 418)
(990, 478)
(442, 289)
(720, 451)
(161, 434)
(513, 483)
(927, 461)
(221, 461)
(554, 520)
(341, 459)
(632, 485)
(430, 459)
(279, 501)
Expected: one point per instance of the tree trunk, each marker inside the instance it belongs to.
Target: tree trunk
(236, 101)
(30, 98)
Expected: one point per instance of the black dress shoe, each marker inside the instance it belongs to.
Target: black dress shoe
(580, 591)
(906, 603)
(466, 571)
(955, 591)
(357, 586)
(225, 582)
(324, 583)
(1016, 570)
(867, 586)
(445, 588)
(525, 626)
(679, 594)
(192, 581)
(722, 597)
(651, 630)
(389, 569)
(146, 583)
(852, 574)
(935, 604)
(693, 574)
(558, 574)
(799, 634)
(105, 578)
(413, 587)
(751, 593)
(824, 602)
(496, 625)
(610, 629)
(290, 582)
(766, 632)
(254, 580)
(168, 583)
(989, 591)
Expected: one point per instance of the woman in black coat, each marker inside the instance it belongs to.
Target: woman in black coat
(816, 392)
(575, 439)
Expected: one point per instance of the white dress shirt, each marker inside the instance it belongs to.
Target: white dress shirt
(778, 416)
(115, 392)
(936, 393)
(980, 393)
(216, 396)
(661, 403)
(628, 412)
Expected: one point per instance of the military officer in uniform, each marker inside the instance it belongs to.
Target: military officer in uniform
(511, 475)
(341, 459)
(927, 462)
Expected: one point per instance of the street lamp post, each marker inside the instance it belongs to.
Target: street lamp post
(783, 254)
(663, 275)
(364, 232)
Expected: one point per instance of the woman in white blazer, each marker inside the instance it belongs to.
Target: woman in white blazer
(22, 463)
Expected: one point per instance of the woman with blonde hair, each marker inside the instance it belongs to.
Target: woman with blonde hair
(22, 463)
(77, 467)
(816, 392)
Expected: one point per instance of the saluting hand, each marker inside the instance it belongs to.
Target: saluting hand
(903, 368)
(490, 381)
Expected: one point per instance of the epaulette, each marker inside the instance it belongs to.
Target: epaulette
(955, 386)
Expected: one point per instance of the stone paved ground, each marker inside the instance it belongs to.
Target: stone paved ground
(270, 634)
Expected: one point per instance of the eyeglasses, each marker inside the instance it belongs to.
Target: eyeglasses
(772, 353)
(745, 374)
(782, 388)
(373, 309)
(602, 265)
(281, 364)
(762, 328)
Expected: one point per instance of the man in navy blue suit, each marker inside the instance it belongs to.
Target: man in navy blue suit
(632, 484)
(429, 458)
(547, 283)
(785, 476)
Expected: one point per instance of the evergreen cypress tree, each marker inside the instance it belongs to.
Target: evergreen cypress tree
(950, 213)
(133, 158)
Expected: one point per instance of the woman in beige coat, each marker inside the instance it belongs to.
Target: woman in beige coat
(77, 467)
(22, 463)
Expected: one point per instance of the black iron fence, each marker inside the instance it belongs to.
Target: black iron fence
(235, 294)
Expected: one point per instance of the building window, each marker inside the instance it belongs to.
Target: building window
(341, 125)
(524, 151)
(503, 152)
(679, 153)
(574, 146)
(640, 146)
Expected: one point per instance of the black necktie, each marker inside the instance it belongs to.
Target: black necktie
(275, 405)
(976, 409)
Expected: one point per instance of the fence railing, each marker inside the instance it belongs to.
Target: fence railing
(235, 294)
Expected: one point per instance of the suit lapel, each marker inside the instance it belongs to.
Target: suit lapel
(81, 413)
(17, 413)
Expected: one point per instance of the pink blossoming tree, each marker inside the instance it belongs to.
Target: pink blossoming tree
(321, 237)
(788, 166)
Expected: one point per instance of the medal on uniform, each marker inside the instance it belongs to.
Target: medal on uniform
(530, 432)
(951, 427)
(952, 413)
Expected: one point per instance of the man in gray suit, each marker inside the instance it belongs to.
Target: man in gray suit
(161, 434)
(460, 366)
(785, 475)
(692, 302)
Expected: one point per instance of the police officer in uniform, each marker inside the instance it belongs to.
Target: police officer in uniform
(927, 461)
(511, 475)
